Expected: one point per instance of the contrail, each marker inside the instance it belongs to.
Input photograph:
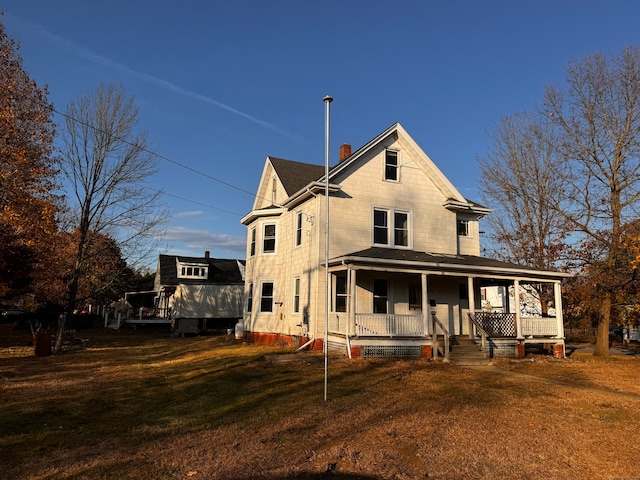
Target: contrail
(84, 52)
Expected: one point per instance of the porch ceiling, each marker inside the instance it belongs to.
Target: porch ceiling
(389, 258)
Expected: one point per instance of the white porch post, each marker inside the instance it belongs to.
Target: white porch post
(516, 299)
(558, 303)
(351, 278)
(472, 304)
(425, 303)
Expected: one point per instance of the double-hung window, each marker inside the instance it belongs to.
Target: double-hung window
(299, 229)
(296, 295)
(266, 297)
(380, 295)
(250, 298)
(463, 228)
(391, 227)
(252, 249)
(269, 238)
(391, 169)
(341, 292)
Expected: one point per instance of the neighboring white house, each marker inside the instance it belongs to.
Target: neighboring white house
(199, 293)
(404, 258)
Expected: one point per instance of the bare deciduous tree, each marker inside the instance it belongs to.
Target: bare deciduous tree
(108, 165)
(521, 179)
(598, 115)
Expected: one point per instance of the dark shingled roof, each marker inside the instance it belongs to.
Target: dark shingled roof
(296, 175)
(395, 255)
(221, 271)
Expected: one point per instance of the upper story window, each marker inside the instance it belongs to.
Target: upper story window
(391, 171)
(252, 248)
(463, 228)
(299, 229)
(192, 270)
(269, 238)
(391, 227)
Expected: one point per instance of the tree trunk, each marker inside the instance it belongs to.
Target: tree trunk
(602, 339)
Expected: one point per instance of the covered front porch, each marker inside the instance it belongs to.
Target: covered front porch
(411, 307)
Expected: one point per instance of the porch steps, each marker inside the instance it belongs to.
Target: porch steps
(464, 351)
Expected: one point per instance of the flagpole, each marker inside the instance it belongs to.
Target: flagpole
(327, 100)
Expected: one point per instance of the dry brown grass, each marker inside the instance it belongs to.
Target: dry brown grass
(142, 405)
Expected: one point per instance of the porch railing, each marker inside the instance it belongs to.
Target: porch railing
(539, 326)
(503, 325)
(386, 325)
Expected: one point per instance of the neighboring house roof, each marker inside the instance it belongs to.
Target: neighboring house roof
(443, 262)
(221, 271)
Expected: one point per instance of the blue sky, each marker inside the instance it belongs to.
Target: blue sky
(220, 84)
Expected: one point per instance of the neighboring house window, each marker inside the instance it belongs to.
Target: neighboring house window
(296, 295)
(463, 228)
(266, 297)
(380, 295)
(269, 238)
(186, 270)
(253, 242)
(299, 229)
(391, 166)
(415, 296)
(250, 298)
(341, 292)
(385, 220)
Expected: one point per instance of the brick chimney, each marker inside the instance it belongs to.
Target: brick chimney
(345, 151)
(206, 254)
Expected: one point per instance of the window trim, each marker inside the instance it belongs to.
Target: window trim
(298, 229)
(391, 227)
(250, 298)
(262, 296)
(467, 230)
(252, 242)
(396, 167)
(297, 294)
(274, 238)
(187, 270)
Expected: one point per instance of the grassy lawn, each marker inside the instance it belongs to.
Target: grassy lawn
(138, 404)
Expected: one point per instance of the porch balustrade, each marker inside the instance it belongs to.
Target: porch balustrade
(503, 325)
(385, 325)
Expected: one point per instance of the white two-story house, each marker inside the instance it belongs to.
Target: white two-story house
(405, 269)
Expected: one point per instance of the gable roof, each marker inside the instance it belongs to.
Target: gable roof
(221, 271)
(295, 175)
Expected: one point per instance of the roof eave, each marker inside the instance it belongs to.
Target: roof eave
(265, 212)
(453, 267)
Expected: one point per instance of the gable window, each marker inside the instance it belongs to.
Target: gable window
(299, 229)
(463, 228)
(386, 221)
(250, 298)
(380, 295)
(252, 249)
(341, 293)
(266, 297)
(296, 295)
(190, 270)
(269, 238)
(391, 166)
